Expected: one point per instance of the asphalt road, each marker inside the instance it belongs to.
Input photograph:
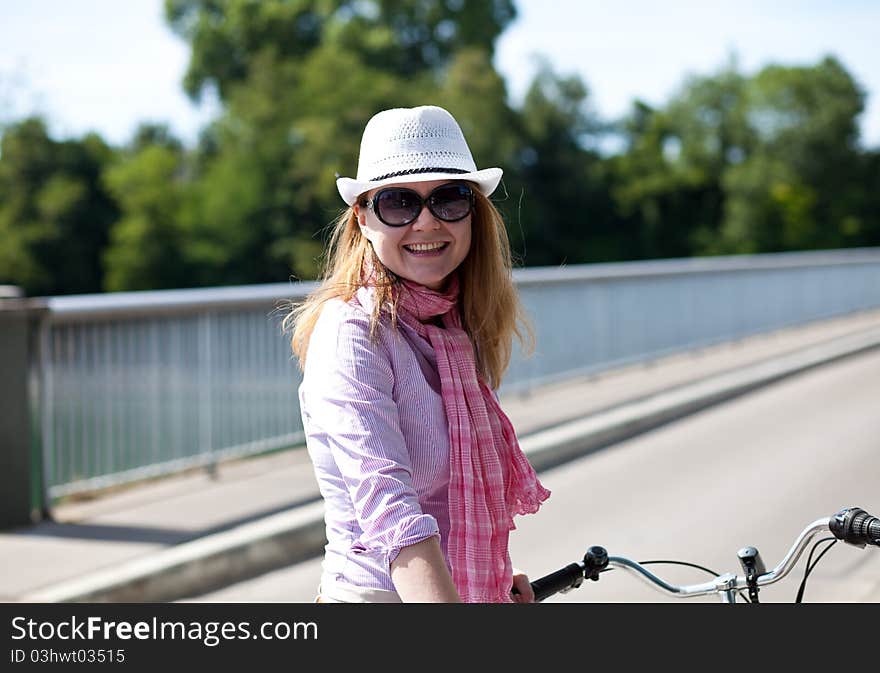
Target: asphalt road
(753, 471)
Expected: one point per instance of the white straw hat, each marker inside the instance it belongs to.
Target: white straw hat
(414, 145)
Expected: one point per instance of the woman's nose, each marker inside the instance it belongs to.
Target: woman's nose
(425, 221)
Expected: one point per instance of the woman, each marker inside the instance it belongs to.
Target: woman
(402, 347)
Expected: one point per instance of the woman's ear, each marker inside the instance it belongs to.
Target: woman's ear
(360, 215)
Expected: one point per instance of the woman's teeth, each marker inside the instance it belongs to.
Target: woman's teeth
(424, 247)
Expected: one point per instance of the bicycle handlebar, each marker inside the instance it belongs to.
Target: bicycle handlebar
(852, 525)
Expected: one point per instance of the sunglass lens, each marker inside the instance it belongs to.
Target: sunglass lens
(450, 202)
(397, 207)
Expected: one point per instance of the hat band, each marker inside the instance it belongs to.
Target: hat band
(416, 171)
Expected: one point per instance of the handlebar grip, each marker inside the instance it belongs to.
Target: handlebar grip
(856, 526)
(568, 577)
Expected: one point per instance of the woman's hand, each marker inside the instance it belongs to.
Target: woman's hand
(524, 593)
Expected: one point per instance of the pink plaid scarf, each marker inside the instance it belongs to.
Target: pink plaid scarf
(490, 479)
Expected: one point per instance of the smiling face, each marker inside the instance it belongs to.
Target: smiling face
(425, 251)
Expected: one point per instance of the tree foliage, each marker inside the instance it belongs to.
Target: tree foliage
(55, 213)
(146, 245)
(565, 204)
(797, 187)
(737, 164)
(402, 37)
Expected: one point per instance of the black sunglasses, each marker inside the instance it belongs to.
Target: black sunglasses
(399, 206)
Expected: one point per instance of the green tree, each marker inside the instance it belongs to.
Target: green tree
(403, 37)
(668, 181)
(737, 164)
(566, 214)
(864, 228)
(55, 213)
(146, 248)
(801, 186)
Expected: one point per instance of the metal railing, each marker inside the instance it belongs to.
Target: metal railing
(592, 318)
(140, 384)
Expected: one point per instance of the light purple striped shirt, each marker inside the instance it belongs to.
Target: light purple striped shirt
(377, 435)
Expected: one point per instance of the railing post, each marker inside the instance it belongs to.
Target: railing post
(21, 478)
(206, 396)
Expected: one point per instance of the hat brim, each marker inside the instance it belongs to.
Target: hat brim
(486, 180)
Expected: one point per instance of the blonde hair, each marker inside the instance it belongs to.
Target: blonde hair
(491, 311)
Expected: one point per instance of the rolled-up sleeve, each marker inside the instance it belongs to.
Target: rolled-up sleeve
(348, 399)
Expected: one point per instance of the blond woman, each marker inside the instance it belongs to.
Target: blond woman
(402, 347)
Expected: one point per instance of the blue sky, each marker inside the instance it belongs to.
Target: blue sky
(107, 65)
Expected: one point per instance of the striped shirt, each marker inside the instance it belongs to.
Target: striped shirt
(377, 435)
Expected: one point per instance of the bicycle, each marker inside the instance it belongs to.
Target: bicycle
(852, 525)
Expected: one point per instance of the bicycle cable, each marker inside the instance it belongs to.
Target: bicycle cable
(812, 564)
(693, 565)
